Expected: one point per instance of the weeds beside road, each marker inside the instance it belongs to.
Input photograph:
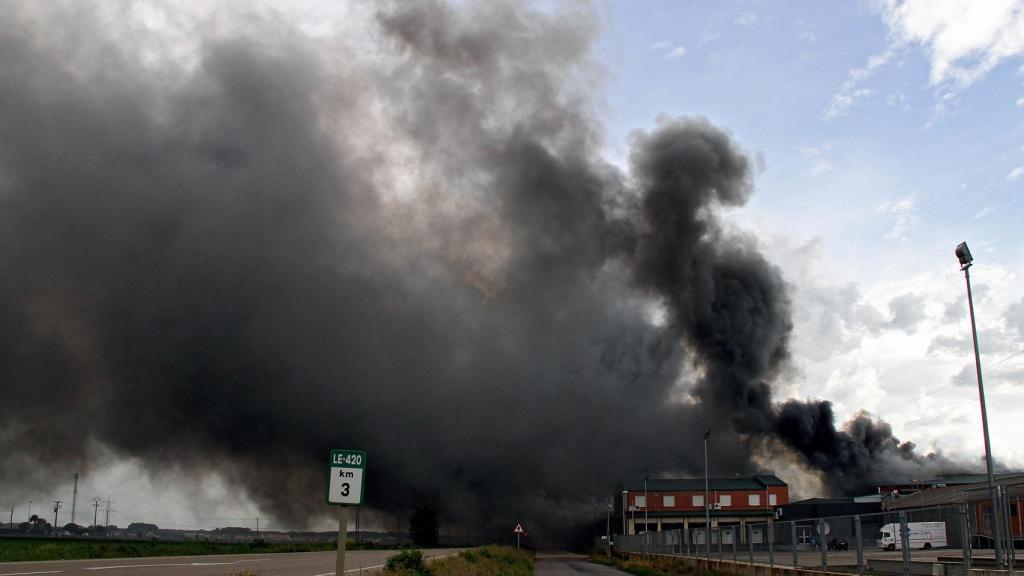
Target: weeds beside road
(655, 566)
(483, 561)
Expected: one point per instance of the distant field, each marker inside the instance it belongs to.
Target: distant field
(22, 549)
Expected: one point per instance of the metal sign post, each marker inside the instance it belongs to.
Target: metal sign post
(345, 488)
(518, 532)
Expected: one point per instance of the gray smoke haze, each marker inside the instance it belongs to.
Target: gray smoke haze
(409, 243)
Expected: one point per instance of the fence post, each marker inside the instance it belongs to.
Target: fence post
(750, 542)
(686, 536)
(822, 548)
(732, 535)
(905, 543)
(965, 538)
(860, 545)
(1008, 531)
(771, 543)
(719, 541)
(796, 556)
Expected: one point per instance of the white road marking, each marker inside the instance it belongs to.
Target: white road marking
(361, 568)
(26, 573)
(167, 564)
(134, 566)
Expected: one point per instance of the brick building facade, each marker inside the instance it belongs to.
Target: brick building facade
(680, 503)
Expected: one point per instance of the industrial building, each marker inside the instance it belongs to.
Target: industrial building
(659, 504)
(976, 496)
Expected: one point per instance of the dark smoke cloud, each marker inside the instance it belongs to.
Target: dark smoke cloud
(413, 248)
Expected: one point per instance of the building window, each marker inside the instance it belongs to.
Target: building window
(725, 500)
(754, 500)
(668, 501)
(772, 500)
(640, 501)
(698, 501)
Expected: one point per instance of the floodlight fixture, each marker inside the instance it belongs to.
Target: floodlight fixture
(963, 253)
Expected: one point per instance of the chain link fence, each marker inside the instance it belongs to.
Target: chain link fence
(940, 541)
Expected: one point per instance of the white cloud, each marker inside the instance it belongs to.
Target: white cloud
(745, 18)
(905, 212)
(677, 52)
(1015, 174)
(819, 167)
(671, 50)
(1020, 102)
(817, 157)
(846, 99)
(983, 212)
(964, 39)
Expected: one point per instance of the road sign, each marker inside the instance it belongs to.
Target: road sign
(519, 529)
(345, 485)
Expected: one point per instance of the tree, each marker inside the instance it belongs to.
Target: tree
(424, 526)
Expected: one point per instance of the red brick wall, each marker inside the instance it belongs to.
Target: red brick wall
(684, 500)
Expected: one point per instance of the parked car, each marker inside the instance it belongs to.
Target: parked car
(838, 544)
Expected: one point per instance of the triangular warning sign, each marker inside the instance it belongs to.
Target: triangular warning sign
(519, 529)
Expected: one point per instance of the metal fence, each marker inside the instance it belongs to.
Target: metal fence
(904, 542)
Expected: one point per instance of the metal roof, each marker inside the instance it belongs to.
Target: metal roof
(759, 482)
(976, 492)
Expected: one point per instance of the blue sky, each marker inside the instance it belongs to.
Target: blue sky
(888, 132)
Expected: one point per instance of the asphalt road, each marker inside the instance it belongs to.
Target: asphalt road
(297, 564)
(564, 564)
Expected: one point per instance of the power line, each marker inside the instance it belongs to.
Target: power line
(905, 403)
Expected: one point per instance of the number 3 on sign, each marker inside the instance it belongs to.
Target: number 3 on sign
(344, 488)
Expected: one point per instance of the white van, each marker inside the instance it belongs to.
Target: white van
(922, 535)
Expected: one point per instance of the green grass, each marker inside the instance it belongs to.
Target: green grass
(26, 549)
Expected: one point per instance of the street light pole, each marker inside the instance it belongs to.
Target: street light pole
(625, 498)
(608, 528)
(964, 255)
(707, 510)
(647, 506)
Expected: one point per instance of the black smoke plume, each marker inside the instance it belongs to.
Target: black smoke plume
(249, 243)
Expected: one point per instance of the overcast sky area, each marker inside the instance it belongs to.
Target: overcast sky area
(880, 134)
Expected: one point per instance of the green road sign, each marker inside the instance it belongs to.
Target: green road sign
(345, 484)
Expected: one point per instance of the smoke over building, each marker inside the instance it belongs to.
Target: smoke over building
(234, 231)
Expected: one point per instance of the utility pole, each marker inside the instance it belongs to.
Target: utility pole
(56, 507)
(107, 521)
(74, 499)
(12, 515)
(30, 509)
(95, 510)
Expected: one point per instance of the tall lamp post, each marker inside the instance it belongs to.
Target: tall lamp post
(608, 527)
(963, 254)
(625, 498)
(707, 510)
(647, 506)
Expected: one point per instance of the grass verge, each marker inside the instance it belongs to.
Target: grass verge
(483, 561)
(654, 566)
(39, 549)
